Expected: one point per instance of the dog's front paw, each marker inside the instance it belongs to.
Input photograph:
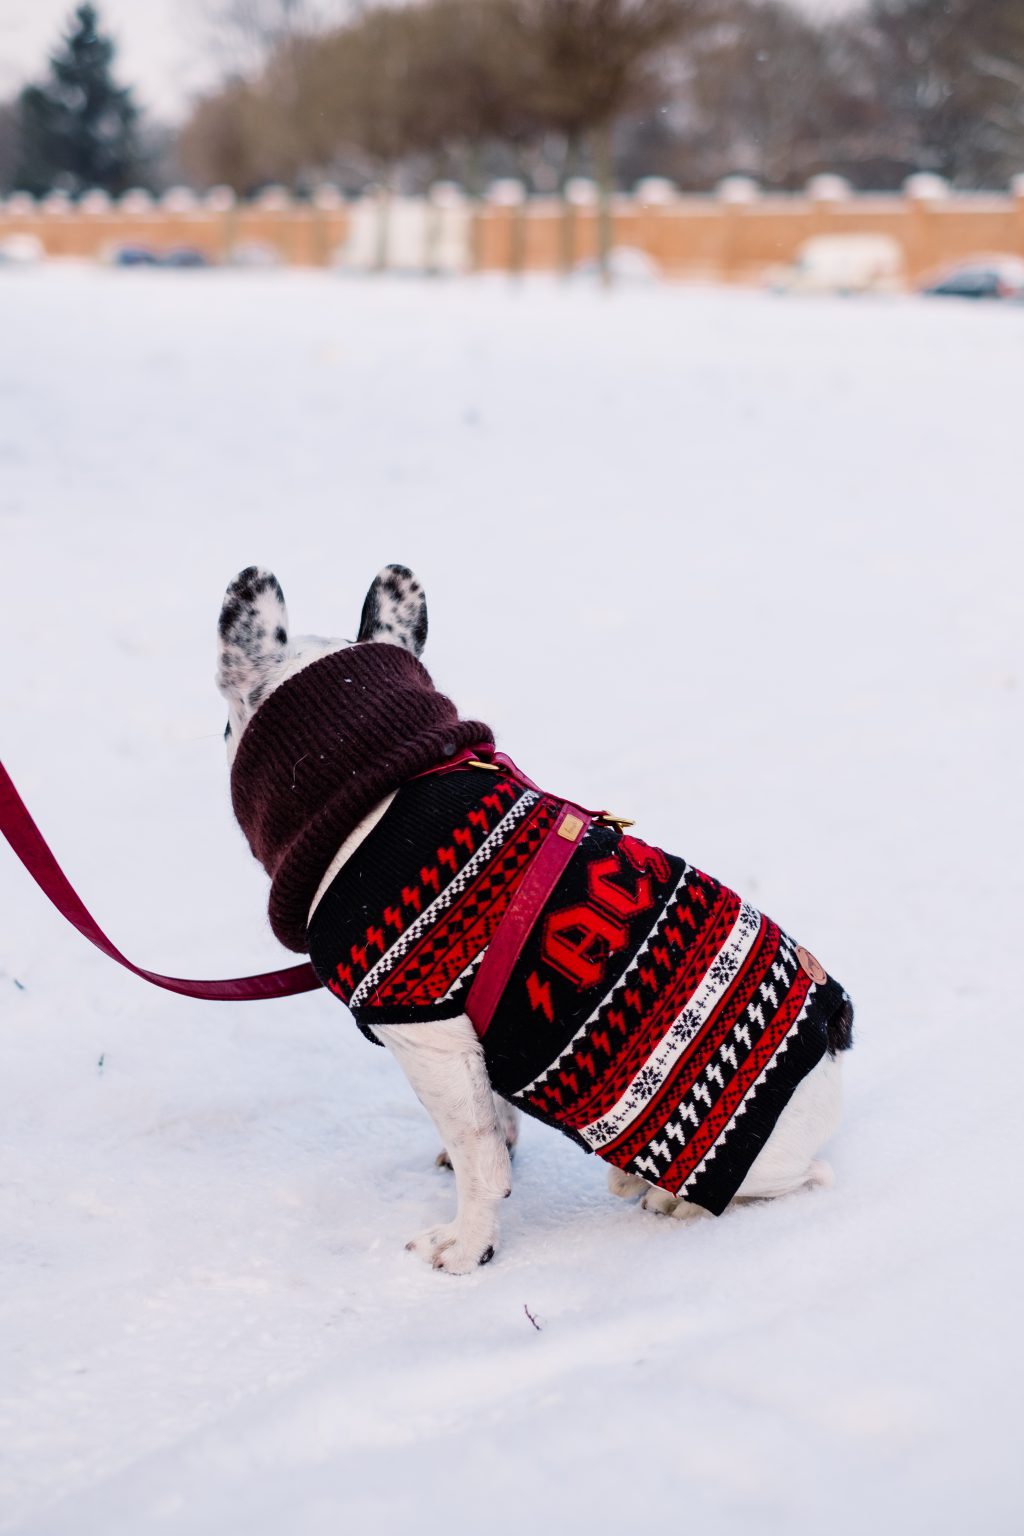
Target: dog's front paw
(446, 1248)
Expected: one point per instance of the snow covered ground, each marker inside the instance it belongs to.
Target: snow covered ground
(745, 568)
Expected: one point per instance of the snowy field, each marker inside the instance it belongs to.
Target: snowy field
(747, 569)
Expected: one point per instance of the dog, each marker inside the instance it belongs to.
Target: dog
(643, 1009)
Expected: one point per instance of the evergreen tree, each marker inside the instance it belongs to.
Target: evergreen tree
(78, 129)
(8, 144)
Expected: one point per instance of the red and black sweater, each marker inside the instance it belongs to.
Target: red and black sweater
(653, 1016)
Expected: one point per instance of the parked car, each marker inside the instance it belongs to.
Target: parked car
(843, 264)
(132, 256)
(983, 277)
(138, 255)
(184, 256)
(21, 251)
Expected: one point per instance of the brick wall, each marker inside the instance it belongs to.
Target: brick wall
(734, 235)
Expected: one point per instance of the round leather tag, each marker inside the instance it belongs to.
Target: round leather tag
(813, 968)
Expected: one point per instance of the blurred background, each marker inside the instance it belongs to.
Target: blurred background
(815, 143)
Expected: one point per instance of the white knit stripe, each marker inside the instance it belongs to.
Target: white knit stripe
(748, 1097)
(623, 981)
(390, 958)
(651, 1075)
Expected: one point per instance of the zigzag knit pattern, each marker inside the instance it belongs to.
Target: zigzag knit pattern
(653, 1016)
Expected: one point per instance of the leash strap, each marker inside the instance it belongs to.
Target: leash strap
(30, 846)
(502, 953)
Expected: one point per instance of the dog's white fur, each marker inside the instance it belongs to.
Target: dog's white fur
(444, 1060)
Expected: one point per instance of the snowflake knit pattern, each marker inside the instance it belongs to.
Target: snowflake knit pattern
(653, 1016)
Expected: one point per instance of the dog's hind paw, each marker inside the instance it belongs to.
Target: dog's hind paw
(820, 1174)
(625, 1185)
(445, 1248)
(661, 1203)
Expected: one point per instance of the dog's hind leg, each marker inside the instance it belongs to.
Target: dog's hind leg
(445, 1064)
(789, 1158)
(788, 1161)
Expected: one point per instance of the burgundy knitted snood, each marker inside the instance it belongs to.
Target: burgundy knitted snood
(322, 750)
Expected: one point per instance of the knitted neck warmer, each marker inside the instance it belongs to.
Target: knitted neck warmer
(322, 750)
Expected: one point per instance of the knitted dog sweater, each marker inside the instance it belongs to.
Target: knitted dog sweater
(322, 750)
(652, 1016)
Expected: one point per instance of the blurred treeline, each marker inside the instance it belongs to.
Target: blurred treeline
(689, 89)
(401, 95)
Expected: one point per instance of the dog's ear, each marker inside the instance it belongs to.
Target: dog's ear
(395, 610)
(253, 640)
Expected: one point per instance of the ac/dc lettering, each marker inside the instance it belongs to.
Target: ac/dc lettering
(642, 856)
(580, 940)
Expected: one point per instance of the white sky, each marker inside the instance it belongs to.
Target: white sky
(166, 47)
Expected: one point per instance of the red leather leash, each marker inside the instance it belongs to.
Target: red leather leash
(504, 949)
(29, 844)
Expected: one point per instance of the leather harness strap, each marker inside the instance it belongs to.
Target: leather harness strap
(528, 902)
(522, 912)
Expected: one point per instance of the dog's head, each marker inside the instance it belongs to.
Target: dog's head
(256, 653)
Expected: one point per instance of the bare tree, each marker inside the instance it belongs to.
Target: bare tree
(432, 88)
(945, 85)
(359, 82)
(264, 45)
(754, 89)
(593, 60)
(228, 140)
(767, 88)
(247, 33)
(469, 80)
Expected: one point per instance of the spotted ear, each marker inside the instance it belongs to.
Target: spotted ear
(253, 640)
(395, 610)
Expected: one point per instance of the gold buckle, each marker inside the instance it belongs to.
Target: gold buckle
(619, 822)
(475, 762)
(570, 827)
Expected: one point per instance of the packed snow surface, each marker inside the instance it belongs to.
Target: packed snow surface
(745, 568)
